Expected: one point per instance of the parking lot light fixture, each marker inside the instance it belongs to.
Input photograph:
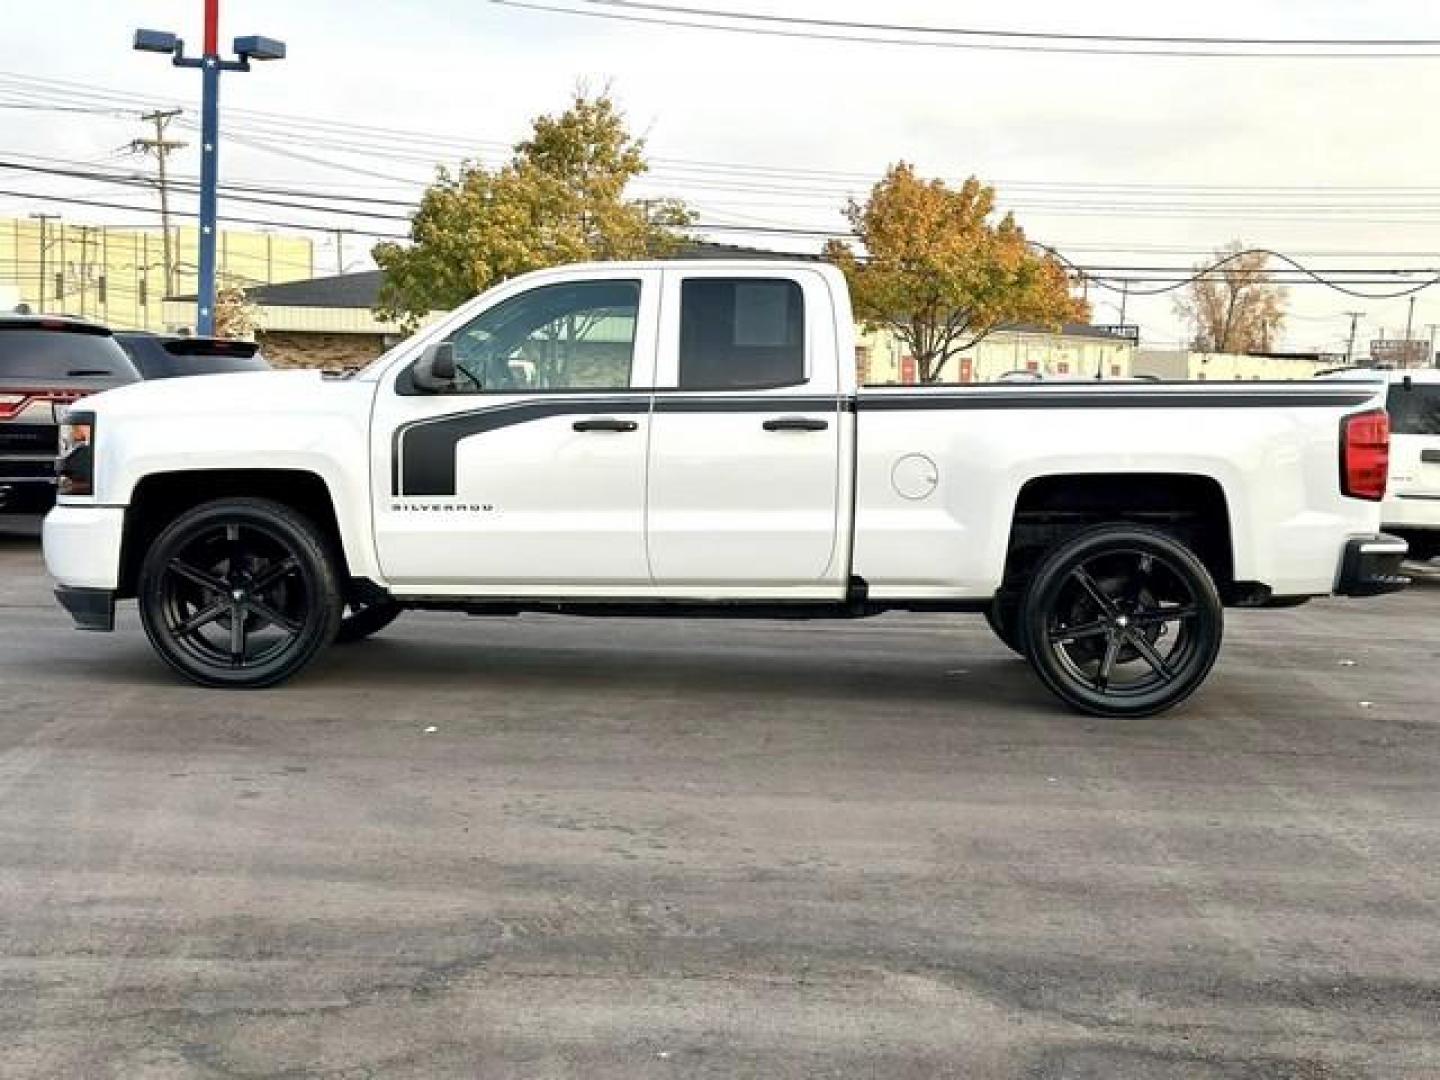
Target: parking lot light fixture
(210, 63)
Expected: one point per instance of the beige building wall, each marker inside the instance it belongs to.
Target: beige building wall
(116, 276)
(883, 357)
(1181, 364)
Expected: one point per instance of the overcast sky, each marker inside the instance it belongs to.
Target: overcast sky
(1045, 128)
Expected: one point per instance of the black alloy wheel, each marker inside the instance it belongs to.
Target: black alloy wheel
(239, 593)
(1122, 621)
(362, 620)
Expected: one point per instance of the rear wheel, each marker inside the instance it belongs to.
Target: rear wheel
(1423, 546)
(360, 621)
(1122, 621)
(239, 593)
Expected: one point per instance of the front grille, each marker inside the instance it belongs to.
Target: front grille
(29, 439)
(16, 469)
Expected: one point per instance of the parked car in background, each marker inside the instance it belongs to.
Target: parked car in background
(1412, 501)
(46, 364)
(168, 356)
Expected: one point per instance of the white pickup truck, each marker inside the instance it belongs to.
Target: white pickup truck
(688, 439)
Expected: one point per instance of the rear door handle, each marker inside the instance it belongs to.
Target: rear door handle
(605, 423)
(795, 423)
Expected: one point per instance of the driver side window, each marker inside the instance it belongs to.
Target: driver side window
(574, 336)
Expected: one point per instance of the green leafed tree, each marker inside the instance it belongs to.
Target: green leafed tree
(561, 198)
(939, 272)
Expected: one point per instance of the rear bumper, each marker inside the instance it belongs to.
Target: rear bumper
(92, 609)
(1371, 566)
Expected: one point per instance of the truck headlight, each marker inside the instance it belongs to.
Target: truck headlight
(75, 466)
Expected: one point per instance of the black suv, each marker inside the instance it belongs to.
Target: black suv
(46, 363)
(161, 356)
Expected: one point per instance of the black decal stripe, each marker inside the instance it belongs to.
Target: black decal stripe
(1110, 400)
(423, 452)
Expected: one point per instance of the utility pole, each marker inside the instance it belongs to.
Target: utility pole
(162, 147)
(1355, 317)
(1432, 358)
(1410, 320)
(44, 247)
(211, 65)
(340, 250)
(84, 275)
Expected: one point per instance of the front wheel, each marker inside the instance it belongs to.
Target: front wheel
(1122, 621)
(239, 593)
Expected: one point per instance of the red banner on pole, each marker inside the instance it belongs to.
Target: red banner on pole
(212, 27)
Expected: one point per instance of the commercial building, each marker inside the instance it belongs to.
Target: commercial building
(117, 275)
(1075, 350)
(1192, 366)
(324, 322)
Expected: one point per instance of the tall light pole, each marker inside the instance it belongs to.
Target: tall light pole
(210, 65)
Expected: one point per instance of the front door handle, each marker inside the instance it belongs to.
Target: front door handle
(605, 423)
(795, 423)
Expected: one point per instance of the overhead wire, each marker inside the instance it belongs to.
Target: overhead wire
(750, 23)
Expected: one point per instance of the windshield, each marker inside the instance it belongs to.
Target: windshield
(61, 354)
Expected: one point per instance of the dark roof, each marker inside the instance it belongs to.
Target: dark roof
(71, 323)
(709, 249)
(360, 290)
(1067, 330)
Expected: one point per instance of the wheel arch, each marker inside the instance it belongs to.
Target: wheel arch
(158, 498)
(1192, 507)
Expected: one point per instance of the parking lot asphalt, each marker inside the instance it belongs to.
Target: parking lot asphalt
(543, 847)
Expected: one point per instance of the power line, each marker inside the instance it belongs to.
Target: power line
(855, 33)
(1029, 35)
(303, 226)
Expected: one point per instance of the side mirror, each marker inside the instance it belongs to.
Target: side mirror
(435, 370)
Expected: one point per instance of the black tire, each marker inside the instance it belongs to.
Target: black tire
(1423, 548)
(240, 593)
(360, 621)
(1003, 615)
(1104, 603)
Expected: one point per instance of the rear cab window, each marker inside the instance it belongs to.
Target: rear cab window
(55, 356)
(1414, 409)
(161, 358)
(741, 334)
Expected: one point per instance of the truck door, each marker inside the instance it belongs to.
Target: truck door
(746, 437)
(528, 476)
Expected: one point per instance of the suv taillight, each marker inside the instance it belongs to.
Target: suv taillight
(13, 404)
(1365, 455)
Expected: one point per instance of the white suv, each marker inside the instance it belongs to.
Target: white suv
(1412, 500)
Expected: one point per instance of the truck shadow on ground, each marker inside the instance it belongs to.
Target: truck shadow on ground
(978, 675)
(813, 671)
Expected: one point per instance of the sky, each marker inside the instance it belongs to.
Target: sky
(1115, 160)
